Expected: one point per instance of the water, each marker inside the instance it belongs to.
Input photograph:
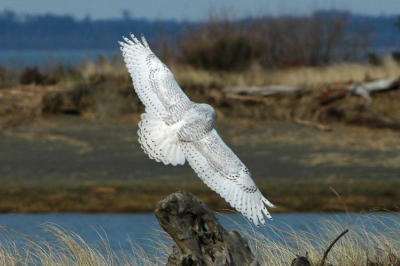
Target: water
(122, 230)
(43, 58)
(70, 57)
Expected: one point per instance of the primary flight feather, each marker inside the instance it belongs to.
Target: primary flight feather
(174, 129)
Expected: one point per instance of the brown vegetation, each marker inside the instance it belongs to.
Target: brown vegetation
(141, 196)
(103, 90)
(275, 42)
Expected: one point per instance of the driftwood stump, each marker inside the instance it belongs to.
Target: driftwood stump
(300, 261)
(199, 238)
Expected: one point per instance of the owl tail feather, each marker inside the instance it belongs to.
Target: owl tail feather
(159, 140)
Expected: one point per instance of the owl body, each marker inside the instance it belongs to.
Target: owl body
(174, 130)
(198, 122)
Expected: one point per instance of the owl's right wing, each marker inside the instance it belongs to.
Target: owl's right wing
(217, 166)
(154, 83)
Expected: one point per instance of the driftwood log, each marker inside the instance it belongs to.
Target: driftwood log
(300, 261)
(199, 238)
(365, 89)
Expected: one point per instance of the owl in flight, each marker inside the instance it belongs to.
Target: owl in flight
(174, 130)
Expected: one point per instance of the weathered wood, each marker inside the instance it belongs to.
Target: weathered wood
(300, 261)
(365, 89)
(199, 237)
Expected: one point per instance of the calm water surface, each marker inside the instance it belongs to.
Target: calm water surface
(43, 58)
(123, 229)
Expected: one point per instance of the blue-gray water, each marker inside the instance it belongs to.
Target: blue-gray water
(123, 229)
(44, 58)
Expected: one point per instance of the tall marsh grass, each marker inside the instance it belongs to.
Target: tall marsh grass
(371, 241)
(68, 248)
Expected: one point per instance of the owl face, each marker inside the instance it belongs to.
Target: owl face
(208, 111)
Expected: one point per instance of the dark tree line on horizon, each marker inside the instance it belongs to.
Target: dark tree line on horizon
(66, 32)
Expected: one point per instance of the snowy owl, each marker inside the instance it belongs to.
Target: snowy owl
(174, 129)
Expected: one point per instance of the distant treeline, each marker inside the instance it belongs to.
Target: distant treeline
(65, 32)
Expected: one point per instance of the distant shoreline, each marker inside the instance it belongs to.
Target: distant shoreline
(313, 197)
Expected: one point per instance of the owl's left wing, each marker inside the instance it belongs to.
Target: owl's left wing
(216, 164)
(153, 82)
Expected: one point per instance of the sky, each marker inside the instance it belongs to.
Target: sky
(194, 10)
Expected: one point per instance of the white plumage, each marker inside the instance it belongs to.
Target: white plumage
(174, 130)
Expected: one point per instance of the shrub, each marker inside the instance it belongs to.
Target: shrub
(374, 59)
(32, 75)
(396, 56)
(225, 44)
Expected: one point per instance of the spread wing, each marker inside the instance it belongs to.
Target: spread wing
(218, 167)
(154, 83)
(212, 160)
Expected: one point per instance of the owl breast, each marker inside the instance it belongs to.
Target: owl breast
(198, 121)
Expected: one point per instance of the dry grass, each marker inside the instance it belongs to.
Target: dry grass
(103, 90)
(374, 244)
(68, 249)
(314, 82)
(113, 68)
(303, 77)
